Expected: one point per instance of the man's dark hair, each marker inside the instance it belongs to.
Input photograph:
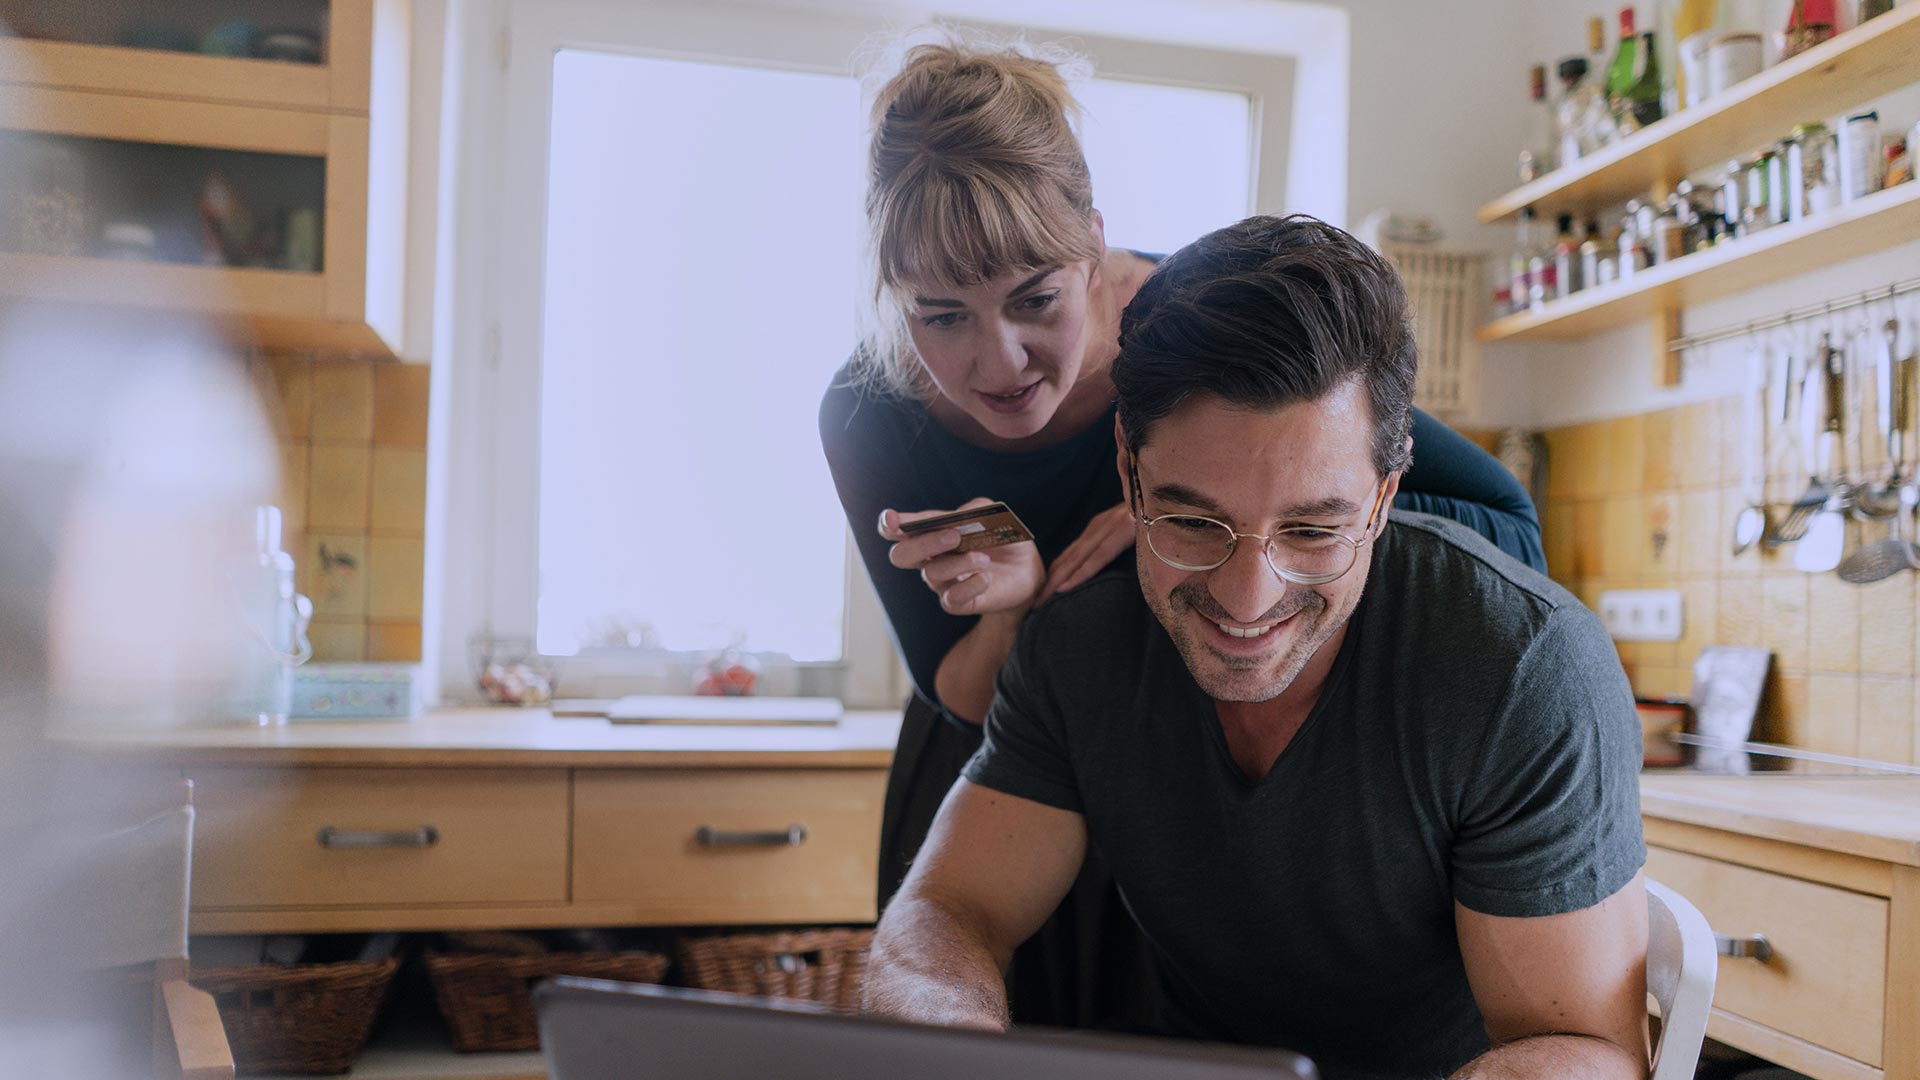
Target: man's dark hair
(1266, 313)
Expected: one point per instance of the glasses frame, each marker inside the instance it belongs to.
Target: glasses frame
(1367, 534)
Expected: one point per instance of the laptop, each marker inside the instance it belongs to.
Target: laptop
(592, 1029)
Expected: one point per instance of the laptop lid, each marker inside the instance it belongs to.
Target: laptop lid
(592, 1029)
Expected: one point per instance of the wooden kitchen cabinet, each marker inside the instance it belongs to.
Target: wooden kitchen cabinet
(1827, 871)
(348, 116)
(487, 819)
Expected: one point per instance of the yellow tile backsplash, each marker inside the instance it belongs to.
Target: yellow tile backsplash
(353, 436)
(1649, 502)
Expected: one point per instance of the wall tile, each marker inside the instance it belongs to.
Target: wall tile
(1700, 534)
(1662, 681)
(1833, 713)
(399, 500)
(1621, 520)
(336, 574)
(1700, 620)
(1886, 719)
(1659, 538)
(339, 495)
(1700, 445)
(1661, 471)
(394, 577)
(1626, 454)
(1887, 627)
(1738, 618)
(338, 639)
(1589, 538)
(1833, 620)
(1784, 618)
(294, 485)
(293, 378)
(342, 399)
(1556, 535)
(1562, 463)
(400, 405)
(398, 642)
(1730, 418)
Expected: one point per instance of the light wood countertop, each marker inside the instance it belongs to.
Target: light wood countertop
(484, 737)
(1875, 817)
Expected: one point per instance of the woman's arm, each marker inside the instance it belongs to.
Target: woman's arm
(1453, 478)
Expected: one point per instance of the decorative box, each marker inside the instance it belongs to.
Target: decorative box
(354, 692)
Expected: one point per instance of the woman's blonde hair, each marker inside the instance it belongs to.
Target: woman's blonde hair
(974, 170)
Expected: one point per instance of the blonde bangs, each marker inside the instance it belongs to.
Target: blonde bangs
(970, 226)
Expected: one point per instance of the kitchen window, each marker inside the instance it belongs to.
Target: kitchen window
(682, 231)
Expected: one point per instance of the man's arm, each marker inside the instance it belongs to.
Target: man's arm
(1563, 996)
(993, 868)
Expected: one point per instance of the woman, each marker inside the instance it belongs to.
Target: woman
(997, 309)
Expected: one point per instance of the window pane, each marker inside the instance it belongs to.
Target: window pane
(1169, 163)
(703, 231)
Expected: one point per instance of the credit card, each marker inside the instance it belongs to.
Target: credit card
(982, 527)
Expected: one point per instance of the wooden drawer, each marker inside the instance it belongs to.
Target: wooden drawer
(496, 835)
(1826, 981)
(729, 846)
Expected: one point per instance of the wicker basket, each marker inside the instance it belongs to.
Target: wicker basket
(824, 966)
(487, 1000)
(308, 1018)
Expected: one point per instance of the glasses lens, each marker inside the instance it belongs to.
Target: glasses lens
(1311, 555)
(1190, 543)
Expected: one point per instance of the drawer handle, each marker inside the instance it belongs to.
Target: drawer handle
(422, 837)
(1755, 947)
(791, 836)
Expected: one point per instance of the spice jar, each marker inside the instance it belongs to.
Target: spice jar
(45, 208)
(1806, 170)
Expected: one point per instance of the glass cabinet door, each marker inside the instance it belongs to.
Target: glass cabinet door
(294, 31)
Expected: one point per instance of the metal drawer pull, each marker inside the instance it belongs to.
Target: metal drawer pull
(424, 836)
(791, 836)
(1756, 947)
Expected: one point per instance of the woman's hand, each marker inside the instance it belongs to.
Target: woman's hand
(1105, 537)
(1003, 578)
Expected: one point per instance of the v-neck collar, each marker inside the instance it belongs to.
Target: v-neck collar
(1238, 781)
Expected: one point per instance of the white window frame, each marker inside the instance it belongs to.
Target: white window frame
(482, 575)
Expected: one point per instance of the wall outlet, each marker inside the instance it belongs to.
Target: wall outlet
(1642, 614)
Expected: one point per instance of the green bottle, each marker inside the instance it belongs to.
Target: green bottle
(1633, 79)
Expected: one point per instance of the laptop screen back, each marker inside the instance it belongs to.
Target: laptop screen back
(596, 1030)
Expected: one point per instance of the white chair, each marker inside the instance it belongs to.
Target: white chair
(1682, 961)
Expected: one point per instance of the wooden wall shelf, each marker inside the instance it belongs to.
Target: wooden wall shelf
(1872, 59)
(1881, 220)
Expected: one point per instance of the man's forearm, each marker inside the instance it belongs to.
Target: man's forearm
(1555, 1057)
(930, 966)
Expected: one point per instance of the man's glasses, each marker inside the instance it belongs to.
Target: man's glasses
(1302, 554)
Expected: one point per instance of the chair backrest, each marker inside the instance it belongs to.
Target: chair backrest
(1682, 962)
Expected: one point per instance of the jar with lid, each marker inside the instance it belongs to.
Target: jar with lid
(1669, 232)
(43, 197)
(1861, 157)
(1730, 202)
(1633, 242)
(1594, 251)
(1806, 170)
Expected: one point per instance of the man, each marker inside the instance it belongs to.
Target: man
(1369, 786)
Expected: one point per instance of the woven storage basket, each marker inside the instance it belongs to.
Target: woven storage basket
(308, 1018)
(824, 966)
(487, 1000)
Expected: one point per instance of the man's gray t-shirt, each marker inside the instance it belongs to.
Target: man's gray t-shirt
(1476, 742)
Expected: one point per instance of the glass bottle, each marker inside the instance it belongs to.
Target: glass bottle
(1567, 279)
(1570, 112)
(1595, 251)
(1520, 265)
(1596, 125)
(1536, 159)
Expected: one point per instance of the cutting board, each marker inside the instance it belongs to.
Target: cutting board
(689, 709)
